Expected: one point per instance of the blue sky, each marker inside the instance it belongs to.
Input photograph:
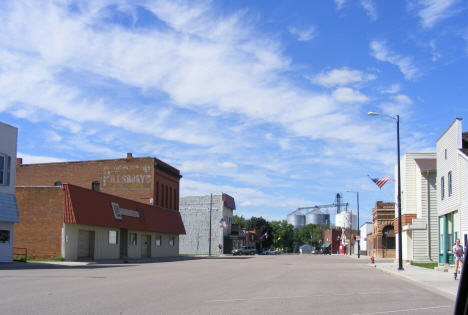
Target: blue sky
(264, 100)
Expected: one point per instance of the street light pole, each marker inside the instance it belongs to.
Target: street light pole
(359, 229)
(400, 243)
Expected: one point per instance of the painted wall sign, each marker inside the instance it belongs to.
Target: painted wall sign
(126, 175)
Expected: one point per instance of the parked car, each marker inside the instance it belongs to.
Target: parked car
(269, 252)
(325, 252)
(244, 250)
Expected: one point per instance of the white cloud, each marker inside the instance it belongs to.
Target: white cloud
(228, 165)
(348, 95)
(249, 204)
(303, 35)
(394, 88)
(341, 76)
(380, 52)
(434, 11)
(370, 8)
(340, 4)
(36, 159)
(402, 99)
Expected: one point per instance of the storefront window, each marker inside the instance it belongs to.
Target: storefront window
(158, 240)
(113, 237)
(133, 238)
(4, 236)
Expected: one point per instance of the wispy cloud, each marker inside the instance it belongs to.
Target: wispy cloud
(380, 52)
(304, 34)
(433, 11)
(370, 8)
(340, 4)
(348, 95)
(341, 76)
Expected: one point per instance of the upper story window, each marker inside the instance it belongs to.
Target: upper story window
(57, 183)
(5, 163)
(95, 186)
(442, 188)
(445, 153)
(449, 182)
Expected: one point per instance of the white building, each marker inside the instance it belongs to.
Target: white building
(418, 206)
(8, 207)
(195, 212)
(452, 190)
(366, 229)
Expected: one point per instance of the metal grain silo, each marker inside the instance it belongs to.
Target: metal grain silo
(345, 220)
(297, 219)
(317, 216)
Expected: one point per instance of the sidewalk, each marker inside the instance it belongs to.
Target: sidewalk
(435, 281)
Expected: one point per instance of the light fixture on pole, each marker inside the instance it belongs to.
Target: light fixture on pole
(400, 250)
(359, 229)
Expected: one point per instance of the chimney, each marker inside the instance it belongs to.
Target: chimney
(19, 161)
(129, 156)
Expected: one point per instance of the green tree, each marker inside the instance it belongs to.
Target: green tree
(282, 234)
(260, 224)
(239, 220)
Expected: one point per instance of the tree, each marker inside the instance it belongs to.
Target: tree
(260, 224)
(282, 234)
(239, 220)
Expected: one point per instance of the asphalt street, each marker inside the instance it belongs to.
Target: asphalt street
(285, 284)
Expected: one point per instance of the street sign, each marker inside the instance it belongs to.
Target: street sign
(358, 238)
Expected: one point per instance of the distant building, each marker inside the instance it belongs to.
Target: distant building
(418, 207)
(381, 243)
(452, 189)
(8, 207)
(366, 229)
(195, 212)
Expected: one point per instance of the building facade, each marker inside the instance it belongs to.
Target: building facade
(195, 212)
(366, 229)
(8, 207)
(147, 179)
(79, 223)
(381, 243)
(452, 190)
(418, 207)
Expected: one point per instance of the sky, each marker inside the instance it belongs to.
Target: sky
(266, 101)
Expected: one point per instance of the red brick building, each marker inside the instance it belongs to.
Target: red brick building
(381, 243)
(79, 223)
(147, 179)
(338, 241)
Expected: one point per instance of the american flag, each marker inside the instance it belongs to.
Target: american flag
(380, 182)
(223, 223)
(279, 238)
(320, 241)
(348, 222)
(266, 234)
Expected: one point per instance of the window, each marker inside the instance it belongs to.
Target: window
(171, 241)
(445, 153)
(442, 188)
(57, 183)
(158, 240)
(4, 236)
(449, 182)
(133, 238)
(5, 162)
(95, 186)
(113, 237)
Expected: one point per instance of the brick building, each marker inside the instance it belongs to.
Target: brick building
(79, 223)
(337, 241)
(381, 243)
(147, 179)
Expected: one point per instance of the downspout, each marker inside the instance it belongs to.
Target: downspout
(428, 216)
